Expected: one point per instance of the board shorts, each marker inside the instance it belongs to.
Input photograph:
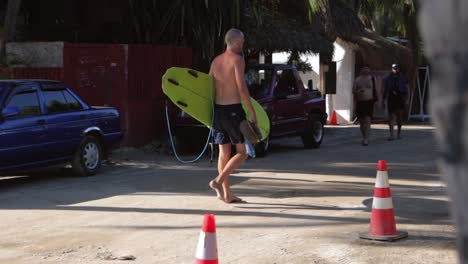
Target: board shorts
(365, 108)
(226, 124)
(395, 105)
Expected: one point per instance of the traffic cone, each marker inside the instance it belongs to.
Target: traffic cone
(334, 119)
(207, 249)
(382, 225)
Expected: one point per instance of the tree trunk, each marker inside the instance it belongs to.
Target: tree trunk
(11, 15)
(445, 45)
(330, 30)
(384, 23)
(412, 33)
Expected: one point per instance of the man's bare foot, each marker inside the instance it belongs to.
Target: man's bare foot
(233, 199)
(217, 188)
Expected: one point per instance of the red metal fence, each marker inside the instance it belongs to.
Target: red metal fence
(146, 66)
(127, 77)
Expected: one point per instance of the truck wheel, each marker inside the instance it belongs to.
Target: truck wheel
(88, 158)
(261, 149)
(313, 136)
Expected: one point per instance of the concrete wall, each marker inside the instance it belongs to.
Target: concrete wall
(35, 54)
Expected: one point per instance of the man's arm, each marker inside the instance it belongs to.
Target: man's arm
(386, 91)
(354, 91)
(239, 67)
(405, 90)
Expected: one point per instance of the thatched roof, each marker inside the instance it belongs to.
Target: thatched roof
(374, 49)
(275, 32)
(279, 32)
(380, 52)
(345, 22)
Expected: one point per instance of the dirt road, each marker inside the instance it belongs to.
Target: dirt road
(304, 206)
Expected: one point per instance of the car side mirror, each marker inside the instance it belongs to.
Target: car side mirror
(10, 111)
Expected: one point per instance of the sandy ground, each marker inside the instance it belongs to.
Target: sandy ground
(304, 206)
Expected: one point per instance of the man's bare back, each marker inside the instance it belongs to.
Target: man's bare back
(224, 71)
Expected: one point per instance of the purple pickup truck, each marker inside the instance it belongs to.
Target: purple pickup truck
(294, 110)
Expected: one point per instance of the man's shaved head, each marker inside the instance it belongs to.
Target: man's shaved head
(232, 36)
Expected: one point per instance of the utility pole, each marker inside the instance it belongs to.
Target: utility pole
(11, 15)
(445, 46)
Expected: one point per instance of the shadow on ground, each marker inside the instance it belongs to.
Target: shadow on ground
(54, 189)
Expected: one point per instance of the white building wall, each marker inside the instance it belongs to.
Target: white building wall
(313, 59)
(344, 56)
(342, 101)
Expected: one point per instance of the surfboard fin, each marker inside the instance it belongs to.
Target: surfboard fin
(173, 81)
(182, 104)
(193, 73)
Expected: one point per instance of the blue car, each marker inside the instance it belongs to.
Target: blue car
(45, 123)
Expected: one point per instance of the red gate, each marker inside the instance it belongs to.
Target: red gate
(127, 77)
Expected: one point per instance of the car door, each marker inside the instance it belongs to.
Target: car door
(66, 119)
(288, 103)
(22, 136)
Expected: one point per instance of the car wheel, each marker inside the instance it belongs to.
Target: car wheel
(313, 136)
(88, 158)
(261, 149)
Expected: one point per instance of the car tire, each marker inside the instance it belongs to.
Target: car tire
(262, 148)
(88, 158)
(313, 136)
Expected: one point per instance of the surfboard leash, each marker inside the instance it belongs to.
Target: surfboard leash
(210, 134)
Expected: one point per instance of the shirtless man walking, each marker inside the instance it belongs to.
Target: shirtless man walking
(227, 71)
(364, 92)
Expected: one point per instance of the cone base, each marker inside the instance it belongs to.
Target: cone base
(399, 235)
(201, 261)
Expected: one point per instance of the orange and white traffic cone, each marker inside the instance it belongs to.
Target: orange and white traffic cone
(382, 226)
(207, 249)
(334, 119)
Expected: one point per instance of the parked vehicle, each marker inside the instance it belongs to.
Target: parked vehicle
(293, 109)
(45, 123)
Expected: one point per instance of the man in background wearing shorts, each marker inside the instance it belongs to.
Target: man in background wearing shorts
(396, 93)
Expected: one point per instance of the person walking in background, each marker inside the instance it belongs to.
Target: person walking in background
(396, 93)
(365, 95)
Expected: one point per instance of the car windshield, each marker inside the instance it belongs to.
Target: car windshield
(259, 82)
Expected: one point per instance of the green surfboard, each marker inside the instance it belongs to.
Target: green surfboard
(192, 92)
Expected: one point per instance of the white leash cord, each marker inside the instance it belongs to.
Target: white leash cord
(209, 133)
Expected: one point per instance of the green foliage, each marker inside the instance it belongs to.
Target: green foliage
(386, 17)
(316, 6)
(301, 65)
(200, 24)
(383, 16)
